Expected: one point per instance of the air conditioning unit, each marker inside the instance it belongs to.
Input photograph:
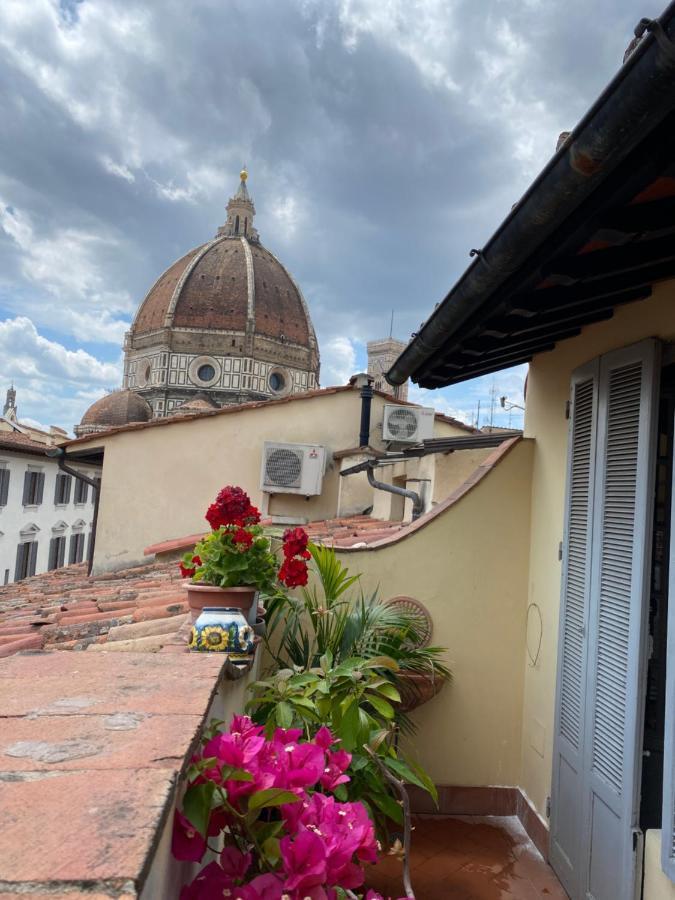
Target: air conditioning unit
(292, 468)
(407, 424)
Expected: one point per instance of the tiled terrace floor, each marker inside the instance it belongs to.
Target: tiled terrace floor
(470, 858)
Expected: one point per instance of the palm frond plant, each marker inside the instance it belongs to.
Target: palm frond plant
(334, 616)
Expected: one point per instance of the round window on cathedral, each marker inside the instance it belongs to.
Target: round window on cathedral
(277, 382)
(206, 372)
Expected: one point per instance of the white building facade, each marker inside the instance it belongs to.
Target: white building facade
(46, 516)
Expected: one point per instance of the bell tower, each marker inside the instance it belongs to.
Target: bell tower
(381, 357)
(9, 410)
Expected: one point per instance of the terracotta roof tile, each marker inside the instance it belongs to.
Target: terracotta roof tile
(13, 440)
(65, 608)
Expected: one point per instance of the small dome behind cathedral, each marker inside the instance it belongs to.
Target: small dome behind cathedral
(226, 320)
(117, 408)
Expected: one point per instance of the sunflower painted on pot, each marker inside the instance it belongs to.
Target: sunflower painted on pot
(222, 630)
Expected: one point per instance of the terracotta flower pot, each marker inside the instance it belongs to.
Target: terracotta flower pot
(201, 595)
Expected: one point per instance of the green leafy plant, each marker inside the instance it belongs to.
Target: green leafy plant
(358, 704)
(333, 616)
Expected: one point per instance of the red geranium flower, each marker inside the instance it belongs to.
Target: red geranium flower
(188, 572)
(293, 573)
(295, 543)
(232, 506)
(243, 537)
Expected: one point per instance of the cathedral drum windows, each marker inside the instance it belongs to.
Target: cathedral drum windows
(279, 381)
(143, 372)
(204, 371)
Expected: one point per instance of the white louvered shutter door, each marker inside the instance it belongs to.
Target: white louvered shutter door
(668, 816)
(567, 798)
(621, 557)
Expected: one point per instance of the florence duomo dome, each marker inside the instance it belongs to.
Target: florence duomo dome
(226, 321)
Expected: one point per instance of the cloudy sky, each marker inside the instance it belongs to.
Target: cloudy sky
(384, 139)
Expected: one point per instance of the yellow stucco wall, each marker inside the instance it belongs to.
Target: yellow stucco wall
(159, 481)
(469, 567)
(452, 469)
(547, 393)
(657, 885)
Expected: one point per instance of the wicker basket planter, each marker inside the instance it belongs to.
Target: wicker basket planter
(416, 689)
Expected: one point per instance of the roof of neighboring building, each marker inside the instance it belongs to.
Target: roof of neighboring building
(594, 231)
(21, 443)
(142, 608)
(118, 408)
(243, 407)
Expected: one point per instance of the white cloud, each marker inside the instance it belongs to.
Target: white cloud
(26, 353)
(116, 169)
(54, 385)
(423, 33)
(64, 265)
(338, 361)
(440, 402)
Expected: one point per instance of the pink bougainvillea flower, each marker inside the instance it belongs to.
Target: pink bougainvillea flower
(214, 884)
(302, 767)
(324, 738)
(186, 842)
(235, 863)
(334, 773)
(268, 886)
(304, 860)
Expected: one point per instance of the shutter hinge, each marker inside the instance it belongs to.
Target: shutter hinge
(567, 409)
(548, 807)
(560, 551)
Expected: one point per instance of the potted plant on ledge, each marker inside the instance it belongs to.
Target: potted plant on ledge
(231, 564)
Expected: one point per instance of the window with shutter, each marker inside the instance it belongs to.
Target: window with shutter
(32, 557)
(33, 488)
(598, 732)
(4, 486)
(62, 492)
(81, 489)
(26, 558)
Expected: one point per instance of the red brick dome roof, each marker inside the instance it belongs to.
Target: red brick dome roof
(117, 408)
(222, 286)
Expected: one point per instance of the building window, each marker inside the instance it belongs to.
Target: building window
(97, 489)
(33, 488)
(81, 490)
(26, 559)
(206, 372)
(279, 381)
(62, 491)
(236, 225)
(57, 552)
(76, 552)
(4, 486)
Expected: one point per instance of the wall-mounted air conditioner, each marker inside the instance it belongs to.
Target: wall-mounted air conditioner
(292, 468)
(407, 424)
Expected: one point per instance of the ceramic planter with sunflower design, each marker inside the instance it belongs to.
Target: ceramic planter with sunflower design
(223, 630)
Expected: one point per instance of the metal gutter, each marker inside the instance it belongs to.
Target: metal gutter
(59, 454)
(637, 99)
(418, 506)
